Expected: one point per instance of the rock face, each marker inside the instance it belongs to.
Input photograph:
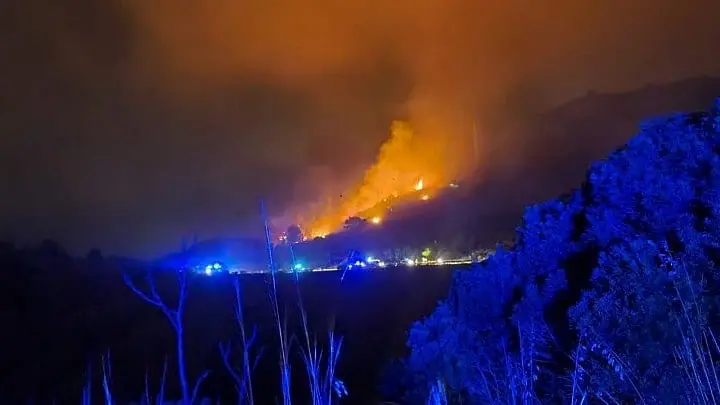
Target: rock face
(602, 290)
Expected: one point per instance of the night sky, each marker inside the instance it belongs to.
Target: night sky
(127, 123)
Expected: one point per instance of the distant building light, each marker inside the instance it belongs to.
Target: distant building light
(410, 262)
(208, 271)
(376, 220)
(454, 185)
(425, 197)
(381, 263)
(440, 260)
(217, 266)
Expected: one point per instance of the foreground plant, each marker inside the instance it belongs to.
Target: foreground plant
(175, 317)
(281, 328)
(243, 379)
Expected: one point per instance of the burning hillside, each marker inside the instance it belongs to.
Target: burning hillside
(405, 166)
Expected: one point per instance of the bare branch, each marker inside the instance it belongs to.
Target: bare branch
(161, 395)
(225, 351)
(181, 279)
(147, 386)
(198, 382)
(259, 354)
(128, 282)
(243, 381)
(107, 378)
(174, 316)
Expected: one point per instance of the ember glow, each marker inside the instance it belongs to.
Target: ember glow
(404, 165)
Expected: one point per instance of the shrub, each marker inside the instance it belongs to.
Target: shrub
(607, 294)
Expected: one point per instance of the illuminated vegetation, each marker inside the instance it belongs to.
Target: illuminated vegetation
(610, 295)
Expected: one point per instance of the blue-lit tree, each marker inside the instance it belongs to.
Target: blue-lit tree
(175, 317)
(644, 321)
(609, 294)
(294, 234)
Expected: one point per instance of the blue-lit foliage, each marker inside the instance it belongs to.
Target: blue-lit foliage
(175, 316)
(609, 295)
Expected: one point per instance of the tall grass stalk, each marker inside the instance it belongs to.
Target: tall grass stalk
(106, 378)
(86, 398)
(321, 384)
(320, 365)
(697, 354)
(281, 328)
(160, 398)
(438, 394)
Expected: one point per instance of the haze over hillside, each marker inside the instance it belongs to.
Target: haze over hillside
(567, 139)
(128, 122)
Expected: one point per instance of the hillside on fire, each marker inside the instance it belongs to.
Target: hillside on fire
(483, 208)
(610, 294)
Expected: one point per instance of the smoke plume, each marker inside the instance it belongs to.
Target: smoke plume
(248, 90)
(464, 60)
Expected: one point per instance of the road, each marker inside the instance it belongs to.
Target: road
(370, 265)
(407, 263)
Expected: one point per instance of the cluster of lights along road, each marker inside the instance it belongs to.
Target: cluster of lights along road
(368, 263)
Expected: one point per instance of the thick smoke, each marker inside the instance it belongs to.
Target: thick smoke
(402, 161)
(465, 60)
(458, 53)
(211, 99)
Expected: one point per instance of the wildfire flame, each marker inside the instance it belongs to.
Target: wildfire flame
(404, 165)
